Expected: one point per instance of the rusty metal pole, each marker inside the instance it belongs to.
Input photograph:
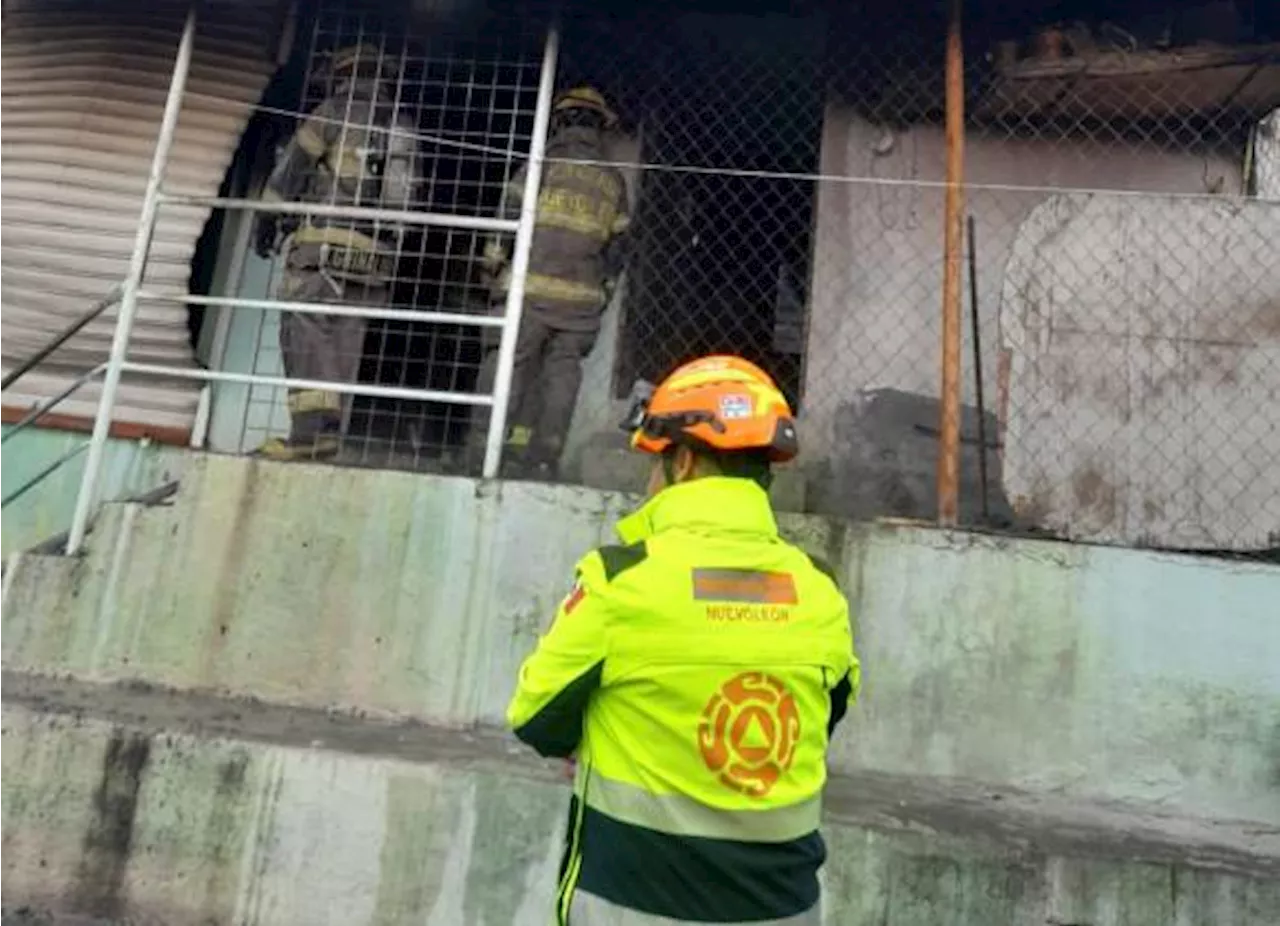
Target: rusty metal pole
(953, 243)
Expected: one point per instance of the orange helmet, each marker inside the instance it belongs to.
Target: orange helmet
(720, 402)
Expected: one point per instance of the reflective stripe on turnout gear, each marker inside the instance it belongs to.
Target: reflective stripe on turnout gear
(520, 436)
(589, 910)
(286, 451)
(541, 286)
(310, 141)
(683, 816)
(571, 865)
(589, 215)
(301, 401)
(580, 208)
(346, 252)
(353, 149)
(335, 236)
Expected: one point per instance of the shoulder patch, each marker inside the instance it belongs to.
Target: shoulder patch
(574, 597)
(618, 559)
(823, 567)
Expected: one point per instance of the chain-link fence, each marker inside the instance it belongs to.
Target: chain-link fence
(1113, 179)
(785, 181)
(425, 109)
(1121, 276)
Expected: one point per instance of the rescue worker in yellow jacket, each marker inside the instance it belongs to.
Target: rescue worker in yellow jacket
(696, 673)
(354, 149)
(577, 254)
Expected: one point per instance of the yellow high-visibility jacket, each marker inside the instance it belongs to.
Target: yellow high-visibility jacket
(696, 672)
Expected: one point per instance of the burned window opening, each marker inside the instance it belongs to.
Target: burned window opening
(720, 255)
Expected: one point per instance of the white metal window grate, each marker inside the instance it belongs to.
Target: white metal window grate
(468, 101)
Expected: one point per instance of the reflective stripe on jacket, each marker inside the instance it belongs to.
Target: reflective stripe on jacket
(697, 673)
(354, 149)
(581, 207)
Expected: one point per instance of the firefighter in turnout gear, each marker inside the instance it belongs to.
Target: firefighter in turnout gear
(696, 673)
(574, 262)
(354, 149)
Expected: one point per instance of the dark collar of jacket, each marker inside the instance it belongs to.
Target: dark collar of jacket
(711, 505)
(576, 142)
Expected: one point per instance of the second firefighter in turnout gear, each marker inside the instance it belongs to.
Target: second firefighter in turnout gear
(575, 259)
(354, 149)
(696, 671)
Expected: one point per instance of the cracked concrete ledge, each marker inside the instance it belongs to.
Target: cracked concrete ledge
(131, 804)
(1001, 820)
(1078, 673)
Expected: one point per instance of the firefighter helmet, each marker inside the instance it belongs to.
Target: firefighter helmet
(368, 58)
(721, 403)
(588, 98)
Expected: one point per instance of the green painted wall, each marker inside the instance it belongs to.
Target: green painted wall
(129, 468)
(1082, 672)
(108, 820)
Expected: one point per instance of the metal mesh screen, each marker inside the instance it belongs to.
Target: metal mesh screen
(1133, 288)
(790, 208)
(786, 178)
(459, 87)
(729, 127)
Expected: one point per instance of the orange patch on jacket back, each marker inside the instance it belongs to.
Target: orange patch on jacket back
(746, 585)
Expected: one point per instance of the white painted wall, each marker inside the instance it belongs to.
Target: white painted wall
(877, 278)
(1144, 386)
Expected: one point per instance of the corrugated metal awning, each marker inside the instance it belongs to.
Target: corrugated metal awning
(84, 85)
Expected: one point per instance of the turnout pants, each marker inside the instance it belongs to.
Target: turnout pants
(544, 390)
(321, 347)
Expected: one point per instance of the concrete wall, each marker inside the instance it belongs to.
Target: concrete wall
(129, 468)
(399, 593)
(1083, 672)
(125, 823)
(877, 277)
(1144, 363)
(172, 829)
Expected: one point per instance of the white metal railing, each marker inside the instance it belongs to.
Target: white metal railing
(37, 412)
(132, 291)
(40, 409)
(61, 338)
(356, 213)
(317, 308)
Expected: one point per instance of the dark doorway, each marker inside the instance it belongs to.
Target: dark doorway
(722, 242)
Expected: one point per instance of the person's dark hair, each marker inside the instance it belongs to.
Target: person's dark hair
(736, 464)
(746, 464)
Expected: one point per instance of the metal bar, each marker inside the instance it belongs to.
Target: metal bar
(1239, 88)
(380, 392)
(43, 408)
(129, 298)
(324, 308)
(356, 213)
(200, 426)
(977, 371)
(67, 333)
(953, 242)
(40, 476)
(520, 255)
